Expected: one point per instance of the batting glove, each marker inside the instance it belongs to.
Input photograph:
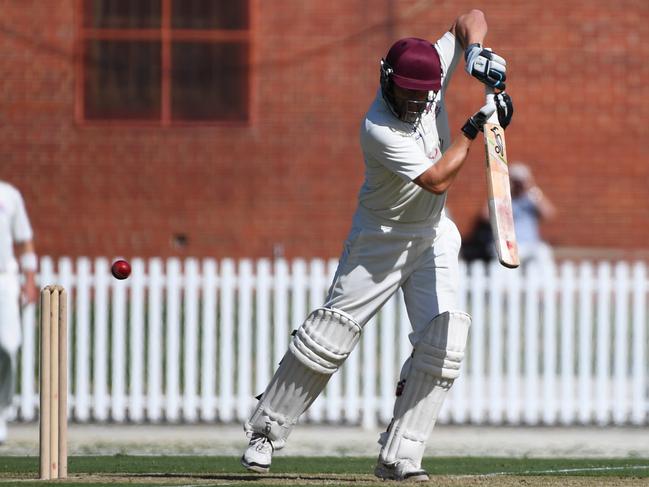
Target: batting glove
(486, 66)
(476, 122)
(505, 108)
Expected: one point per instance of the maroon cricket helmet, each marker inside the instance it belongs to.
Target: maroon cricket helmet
(415, 65)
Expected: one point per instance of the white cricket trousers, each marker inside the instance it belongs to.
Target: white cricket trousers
(378, 260)
(10, 336)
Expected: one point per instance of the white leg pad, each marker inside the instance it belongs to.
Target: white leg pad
(318, 349)
(433, 367)
(325, 340)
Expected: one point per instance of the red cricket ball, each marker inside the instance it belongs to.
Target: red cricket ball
(121, 269)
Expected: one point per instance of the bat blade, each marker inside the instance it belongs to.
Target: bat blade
(501, 216)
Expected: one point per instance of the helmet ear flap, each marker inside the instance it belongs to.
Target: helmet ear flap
(386, 86)
(386, 68)
(386, 74)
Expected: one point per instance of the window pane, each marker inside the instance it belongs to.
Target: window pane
(209, 81)
(122, 80)
(122, 14)
(209, 14)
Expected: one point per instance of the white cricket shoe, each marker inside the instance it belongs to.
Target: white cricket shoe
(401, 471)
(259, 454)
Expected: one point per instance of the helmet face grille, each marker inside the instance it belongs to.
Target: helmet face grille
(412, 110)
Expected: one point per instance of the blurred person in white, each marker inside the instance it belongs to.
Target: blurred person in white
(530, 207)
(16, 255)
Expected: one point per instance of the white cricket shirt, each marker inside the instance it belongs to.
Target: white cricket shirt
(14, 225)
(395, 154)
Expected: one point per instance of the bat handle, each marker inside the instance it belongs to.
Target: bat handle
(489, 93)
(489, 98)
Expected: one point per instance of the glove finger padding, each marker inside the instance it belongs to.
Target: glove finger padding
(486, 66)
(505, 108)
(482, 115)
(476, 122)
(497, 68)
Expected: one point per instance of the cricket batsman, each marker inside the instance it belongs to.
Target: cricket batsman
(400, 238)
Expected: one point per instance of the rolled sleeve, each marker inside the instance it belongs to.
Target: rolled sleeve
(21, 228)
(450, 52)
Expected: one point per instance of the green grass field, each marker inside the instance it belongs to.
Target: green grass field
(308, 471)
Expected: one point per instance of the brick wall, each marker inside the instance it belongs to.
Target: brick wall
(288, 181)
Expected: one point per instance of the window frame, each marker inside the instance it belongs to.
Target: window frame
(166, 35)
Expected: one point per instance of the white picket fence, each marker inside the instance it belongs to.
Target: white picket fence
(196, 340)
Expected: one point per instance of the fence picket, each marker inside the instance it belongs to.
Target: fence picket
(550, 372)
(495, 318)
(639, 350)
(531, 350)
(65, 279)
(82, 363)
(208, 342)
(227, 339)
(512, 356)
(137, 342)
(244, 339)
(100, 345)
(603, 343)
(28, 363)
(172, 348)
(567, 272)
(621, 345)
(154, 341)
(190, 335)
(117, 364)
(585, 337)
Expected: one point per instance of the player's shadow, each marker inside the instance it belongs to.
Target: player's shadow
(239, 477)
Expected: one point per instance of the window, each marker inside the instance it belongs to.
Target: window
(165, 61)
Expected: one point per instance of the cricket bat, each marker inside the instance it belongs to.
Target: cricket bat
(501, 216)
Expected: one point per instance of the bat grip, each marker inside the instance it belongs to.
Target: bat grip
(489, 98)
